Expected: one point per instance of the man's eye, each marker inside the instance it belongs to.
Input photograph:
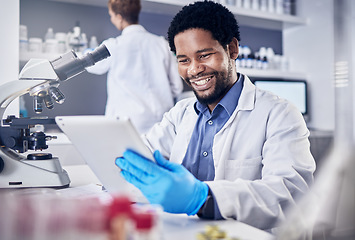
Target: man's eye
(205, 55)
(183, 61)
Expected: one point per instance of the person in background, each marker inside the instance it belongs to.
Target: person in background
(142, 76)
(235, 152)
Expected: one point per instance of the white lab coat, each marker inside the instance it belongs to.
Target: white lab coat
(261, 155)
(142, 79)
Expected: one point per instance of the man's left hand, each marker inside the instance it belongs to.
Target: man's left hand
(169, 184)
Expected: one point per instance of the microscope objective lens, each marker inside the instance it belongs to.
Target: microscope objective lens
(57, 95)
(48, 102)
(37, 104)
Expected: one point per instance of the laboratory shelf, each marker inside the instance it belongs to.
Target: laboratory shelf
(272, 74)
(245, 17)
(268, 73)
(266, 20)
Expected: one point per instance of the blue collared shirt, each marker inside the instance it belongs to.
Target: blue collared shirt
(199, 158)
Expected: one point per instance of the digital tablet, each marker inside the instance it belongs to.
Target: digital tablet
(100, 140)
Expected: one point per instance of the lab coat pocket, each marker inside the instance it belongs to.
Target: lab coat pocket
(249, 168)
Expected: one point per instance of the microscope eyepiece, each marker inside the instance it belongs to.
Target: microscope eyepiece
(98, 54)
(69, 64)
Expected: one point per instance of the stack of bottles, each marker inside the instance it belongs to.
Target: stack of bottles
(264, 59)
(44, 214)
(272, 6)
(56, 43)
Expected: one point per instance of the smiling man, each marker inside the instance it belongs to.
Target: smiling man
(237, 151)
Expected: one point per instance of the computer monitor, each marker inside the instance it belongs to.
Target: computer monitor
(293, 90)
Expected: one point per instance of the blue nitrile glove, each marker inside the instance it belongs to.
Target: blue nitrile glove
(169, 184)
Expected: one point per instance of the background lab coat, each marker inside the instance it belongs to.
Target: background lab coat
(261, 156)
(142, 79)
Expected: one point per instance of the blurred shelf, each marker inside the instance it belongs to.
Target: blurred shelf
(245, 17)
(273, 74)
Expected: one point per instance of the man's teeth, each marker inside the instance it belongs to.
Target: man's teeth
(202, 82)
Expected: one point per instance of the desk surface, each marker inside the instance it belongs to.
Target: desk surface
(175, 226)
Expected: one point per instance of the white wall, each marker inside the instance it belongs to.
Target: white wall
(353, 59)
(312, 51)
(9, 45)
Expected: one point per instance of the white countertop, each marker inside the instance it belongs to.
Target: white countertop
(175, 226)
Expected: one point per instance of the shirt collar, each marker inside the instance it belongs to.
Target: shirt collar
(229, 102)
(133, 28)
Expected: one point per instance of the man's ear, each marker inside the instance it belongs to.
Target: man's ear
(233, 47)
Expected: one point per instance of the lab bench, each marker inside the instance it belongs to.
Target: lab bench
(174, 226)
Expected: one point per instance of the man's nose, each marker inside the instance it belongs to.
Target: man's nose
(195, 68)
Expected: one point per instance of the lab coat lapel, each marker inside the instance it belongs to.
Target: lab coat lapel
(221, 147)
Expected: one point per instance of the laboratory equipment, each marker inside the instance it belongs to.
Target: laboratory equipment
(40, 78)
(76, 39)
(293, 90)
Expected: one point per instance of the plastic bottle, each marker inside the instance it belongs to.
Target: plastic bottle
(93, 42)
(62, 42)
(270, 57)
(287, 7)
(243, 61)
(264, 63)
(51, 46)
(23, 38)
(247, 4)
(256, 60)
(279, 8)
(231, 2)
(255, 5)
(35, 45)
(284, 63)
(83, 42)
(250, 60)
(271, 6)
(263, 5)
(277, 62)
(49, 34)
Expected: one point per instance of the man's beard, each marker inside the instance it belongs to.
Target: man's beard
(221, 87)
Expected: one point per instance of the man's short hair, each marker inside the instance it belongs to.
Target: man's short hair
(128, 9)
(209, 16)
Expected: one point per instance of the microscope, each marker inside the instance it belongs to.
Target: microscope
(40, 79)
